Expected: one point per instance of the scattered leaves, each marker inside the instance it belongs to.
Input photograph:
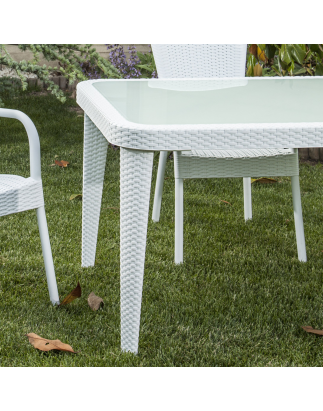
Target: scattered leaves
(263, 180)
(62, 163)
(311, 330)
(76, 197)
(43, 344)
(94, 301)
(76, 293)
(226, 202)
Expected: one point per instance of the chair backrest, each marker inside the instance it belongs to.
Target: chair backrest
(34, 145)
(200, 60)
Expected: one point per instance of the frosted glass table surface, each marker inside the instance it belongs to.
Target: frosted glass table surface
(212, 101)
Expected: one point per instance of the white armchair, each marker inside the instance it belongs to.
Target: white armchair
(20, 194)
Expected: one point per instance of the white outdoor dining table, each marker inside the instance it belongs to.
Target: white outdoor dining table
(143, 116)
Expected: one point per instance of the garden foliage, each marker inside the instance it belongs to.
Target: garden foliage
(76, 62)
(138, 65)
(285, 60)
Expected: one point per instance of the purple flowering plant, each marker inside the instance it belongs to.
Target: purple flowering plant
(138, 65)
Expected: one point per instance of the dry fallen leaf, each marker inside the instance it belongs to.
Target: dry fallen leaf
(76, 197)
(311, 330)
(46, 345)
(263, 180)
(94, 301)
(76, 293)
(227, 202)
(62, 163)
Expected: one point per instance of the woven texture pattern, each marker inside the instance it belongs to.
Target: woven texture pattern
(94, 160)
(213, 60)
(126, 134)
(135, 181)
(198, 85)
(19, 194)
(199, 60)
(222, 164)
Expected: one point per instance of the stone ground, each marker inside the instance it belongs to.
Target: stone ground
(11, 73)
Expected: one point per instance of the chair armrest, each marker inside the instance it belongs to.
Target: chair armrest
(34, 145)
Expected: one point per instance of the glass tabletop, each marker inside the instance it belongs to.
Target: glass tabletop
(216, 101)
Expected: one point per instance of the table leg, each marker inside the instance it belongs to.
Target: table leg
(94, 159)
(135, 181)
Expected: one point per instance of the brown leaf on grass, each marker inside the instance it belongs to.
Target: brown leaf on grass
(263, 180)
(311, 330)
(76, 293)
(62, 163)
(76, 197)
(43, 344)
(227, 202)
(94, 301)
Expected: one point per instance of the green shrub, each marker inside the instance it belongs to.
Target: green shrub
(71, 58)
(285, 60)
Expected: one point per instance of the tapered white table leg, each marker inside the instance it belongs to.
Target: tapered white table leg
(135, 182)
(94, 159)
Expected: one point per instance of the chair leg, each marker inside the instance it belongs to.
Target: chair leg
(298, 217)
(94, 159)
(159, 185)
(179, 216)
(47, 254)
(247, 198)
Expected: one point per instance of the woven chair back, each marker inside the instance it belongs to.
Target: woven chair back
(200, 60)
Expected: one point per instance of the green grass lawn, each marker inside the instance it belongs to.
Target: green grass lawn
(239, 299)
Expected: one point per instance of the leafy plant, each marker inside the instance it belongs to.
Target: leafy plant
(139, 65)
(285, 60)
(8, 87)
(126, 68)
(74, 62)
(147, 65)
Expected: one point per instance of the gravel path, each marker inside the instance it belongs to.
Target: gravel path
(11, 73)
